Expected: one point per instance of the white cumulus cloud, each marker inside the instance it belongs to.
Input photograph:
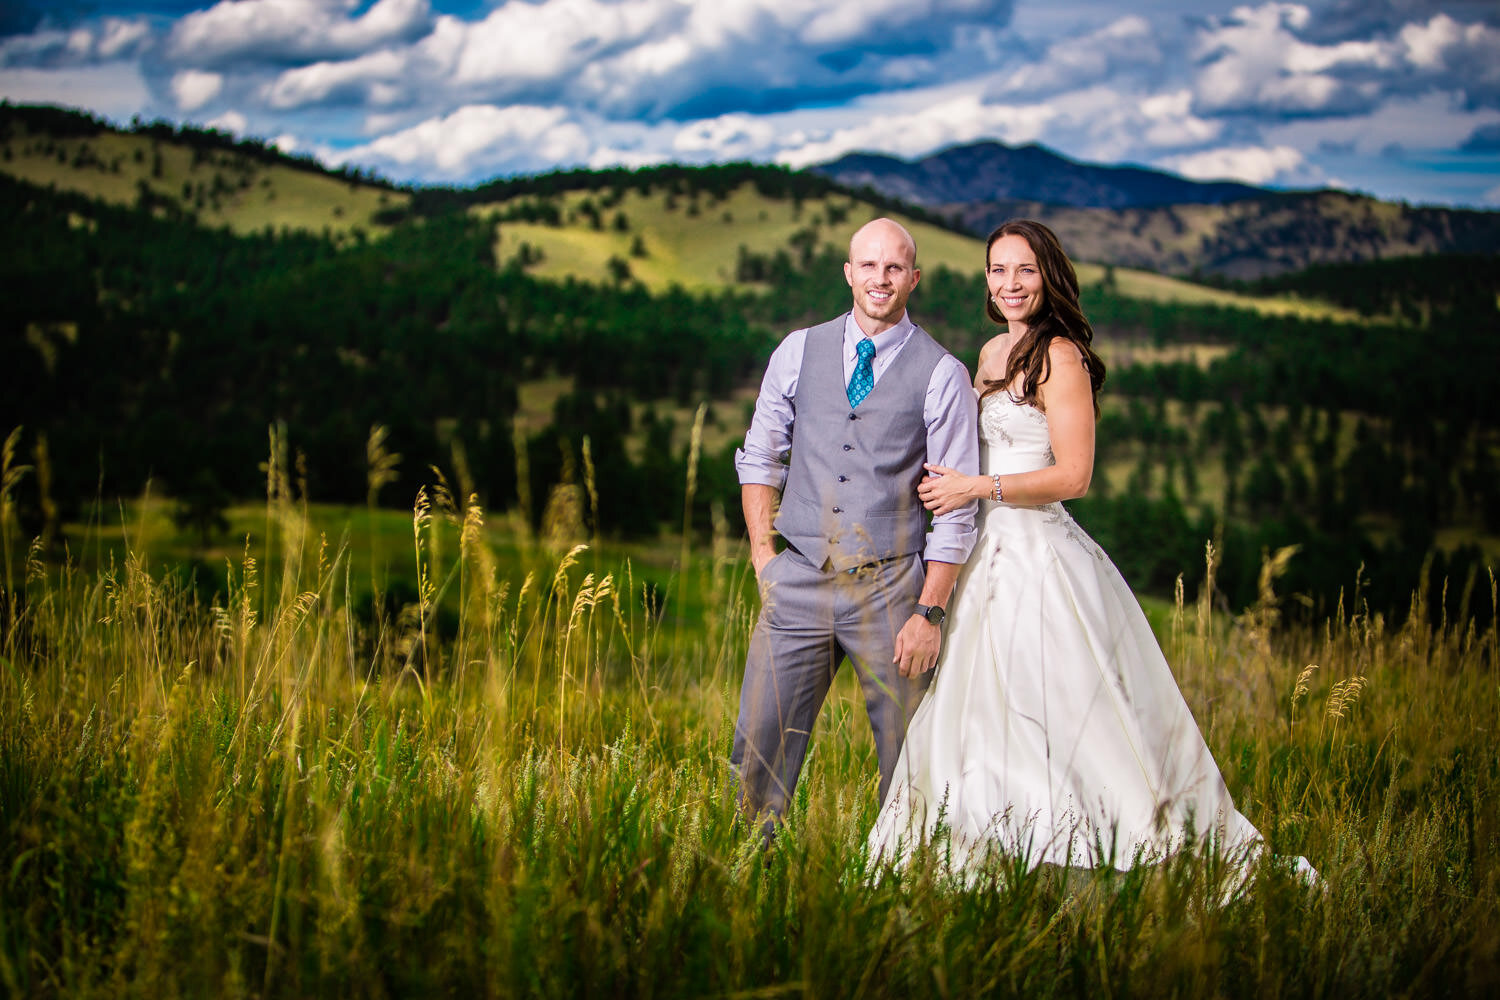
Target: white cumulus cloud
(1254, 61)
(907, 132)
(118, 38)
(110, 39)
(1251, 164)
(350, 79)
(194, 88)
(230, 121)
(674, 59)
(1167, 120)
(520, 42)
(457, 145)
(1463, 57)
(234, 30)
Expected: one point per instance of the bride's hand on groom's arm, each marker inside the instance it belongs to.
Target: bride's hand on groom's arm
(945, 489)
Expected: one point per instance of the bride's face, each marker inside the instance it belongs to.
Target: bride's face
(1014, 279)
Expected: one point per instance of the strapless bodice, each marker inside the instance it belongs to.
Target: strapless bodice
(1013, 436)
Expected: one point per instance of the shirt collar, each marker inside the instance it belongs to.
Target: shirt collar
(890, 339)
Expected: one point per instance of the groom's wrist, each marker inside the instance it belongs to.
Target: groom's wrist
(933, 614)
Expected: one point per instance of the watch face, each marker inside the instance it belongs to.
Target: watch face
(936, 615)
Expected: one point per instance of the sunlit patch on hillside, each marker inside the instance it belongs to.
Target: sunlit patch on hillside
(219, 188)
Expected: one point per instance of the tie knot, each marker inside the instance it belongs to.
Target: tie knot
(865, 348)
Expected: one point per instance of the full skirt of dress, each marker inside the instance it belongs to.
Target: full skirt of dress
(1054, 729)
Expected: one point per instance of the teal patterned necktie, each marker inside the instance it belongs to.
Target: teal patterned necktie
(864, 372)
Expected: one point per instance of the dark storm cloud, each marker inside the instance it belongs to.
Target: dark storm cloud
(1360, 19)
(1484, 139)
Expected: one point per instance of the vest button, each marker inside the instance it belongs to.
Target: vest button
(843, 479)
(854, 416)
(838, 510)
(848, 447)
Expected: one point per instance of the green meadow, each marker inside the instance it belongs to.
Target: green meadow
(513, 781)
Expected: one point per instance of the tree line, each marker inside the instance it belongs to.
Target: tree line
(142, 346)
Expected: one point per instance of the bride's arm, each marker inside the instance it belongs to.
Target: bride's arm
(1068, 399)
(1067, 396)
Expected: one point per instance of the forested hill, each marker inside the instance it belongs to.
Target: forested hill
(140, 345)
(1413, 290)
(1254, 238)
(714, 181)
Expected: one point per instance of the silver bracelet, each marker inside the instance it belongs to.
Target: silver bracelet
(999, 497)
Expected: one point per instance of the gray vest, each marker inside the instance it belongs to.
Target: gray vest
(851, 493)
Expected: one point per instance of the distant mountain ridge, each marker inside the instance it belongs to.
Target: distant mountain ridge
(993, 171)
(1152, 219)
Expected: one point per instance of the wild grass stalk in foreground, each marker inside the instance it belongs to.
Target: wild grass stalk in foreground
(272, 797)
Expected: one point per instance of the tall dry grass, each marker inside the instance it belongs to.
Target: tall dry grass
(270, 795)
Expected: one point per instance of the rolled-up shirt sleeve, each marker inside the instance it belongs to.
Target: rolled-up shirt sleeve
(770, 435)
(951, 412)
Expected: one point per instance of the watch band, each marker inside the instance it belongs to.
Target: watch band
(934, 614)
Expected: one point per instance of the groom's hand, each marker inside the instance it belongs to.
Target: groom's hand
(917, 646)
(761, 555)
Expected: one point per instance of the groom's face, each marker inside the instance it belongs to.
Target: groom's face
(882, 273)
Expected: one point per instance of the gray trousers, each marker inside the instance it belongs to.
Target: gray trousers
(810, 619)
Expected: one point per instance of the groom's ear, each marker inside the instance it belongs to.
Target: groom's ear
(849, 274)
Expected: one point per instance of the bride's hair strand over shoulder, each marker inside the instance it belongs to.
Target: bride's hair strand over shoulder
(1059, 315)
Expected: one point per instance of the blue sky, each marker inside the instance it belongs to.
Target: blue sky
(1397, 98)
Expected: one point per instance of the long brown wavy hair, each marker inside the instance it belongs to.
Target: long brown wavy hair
(1059, 315)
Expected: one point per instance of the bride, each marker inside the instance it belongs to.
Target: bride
(1054, 728)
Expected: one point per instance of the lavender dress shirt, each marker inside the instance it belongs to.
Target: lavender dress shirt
(948, 411)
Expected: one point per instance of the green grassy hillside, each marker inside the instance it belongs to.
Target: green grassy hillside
(662, 239)
(219, 187)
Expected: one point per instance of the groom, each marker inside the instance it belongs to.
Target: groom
(871, 398)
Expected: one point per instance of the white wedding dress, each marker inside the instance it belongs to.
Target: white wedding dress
(1054, 729)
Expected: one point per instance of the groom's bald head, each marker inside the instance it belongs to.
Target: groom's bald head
(884, 231)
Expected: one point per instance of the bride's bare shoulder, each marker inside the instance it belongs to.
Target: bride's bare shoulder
(992, 347)
(992, 357)
(1063, 350)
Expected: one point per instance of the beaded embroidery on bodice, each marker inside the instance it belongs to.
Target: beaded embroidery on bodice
(1014, 435)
